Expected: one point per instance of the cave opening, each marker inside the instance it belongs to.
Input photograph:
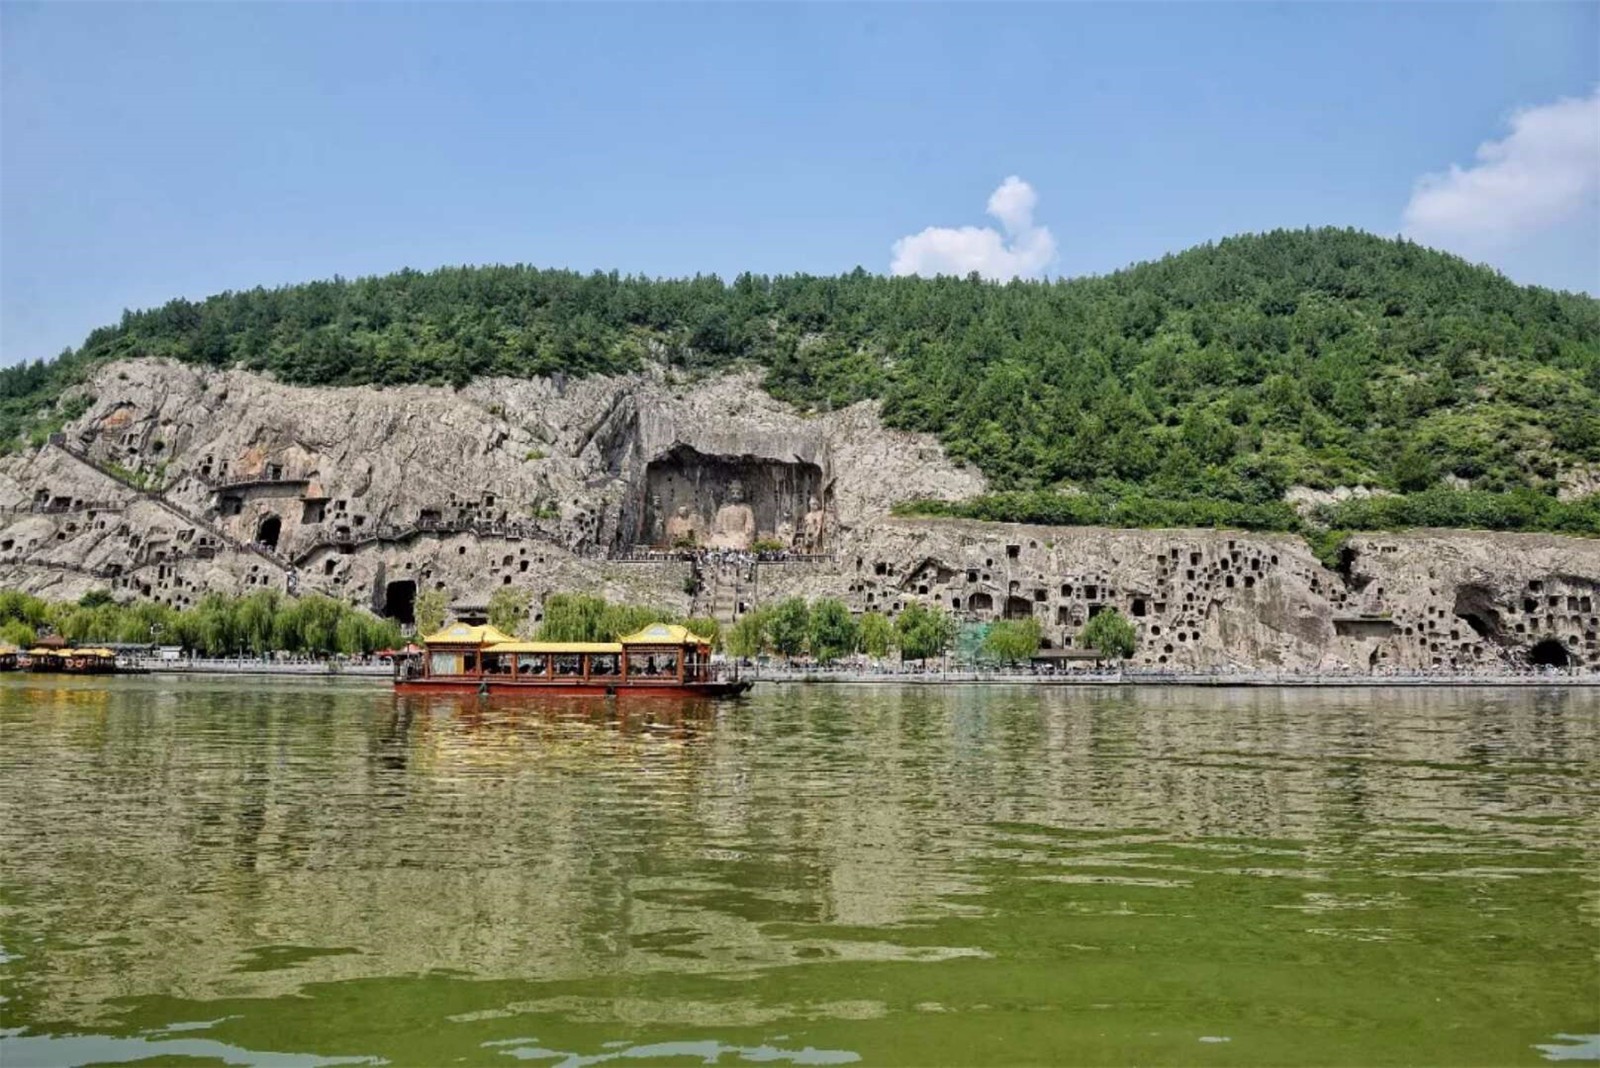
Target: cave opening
(1345, 567)
(1550, 653)
(1474, 606)
(1018, 608)
(269, 530)
(733, 502)
(400, 601)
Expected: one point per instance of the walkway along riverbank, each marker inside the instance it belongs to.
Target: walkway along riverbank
(773, 675)
(1166, 678)
(252, 666)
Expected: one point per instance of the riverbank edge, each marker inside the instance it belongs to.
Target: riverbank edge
(383, 673)
(1212, 681)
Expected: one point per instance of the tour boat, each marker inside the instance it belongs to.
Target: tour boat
(57, 659)
(662, 660)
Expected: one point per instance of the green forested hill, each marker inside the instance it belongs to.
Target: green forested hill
(1228, 371)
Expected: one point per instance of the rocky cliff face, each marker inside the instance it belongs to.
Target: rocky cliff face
(178, 480)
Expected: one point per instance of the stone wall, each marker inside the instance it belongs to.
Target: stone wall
(542, 484)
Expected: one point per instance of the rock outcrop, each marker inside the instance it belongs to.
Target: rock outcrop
(179, 480)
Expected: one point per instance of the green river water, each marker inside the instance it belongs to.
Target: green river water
(296, 873)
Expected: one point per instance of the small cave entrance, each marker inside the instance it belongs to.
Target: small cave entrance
(1475, 606)
(980, 602)
(1018, 608)
(400, 601)
(268, 531)
(1345, 567)
(1550, 653)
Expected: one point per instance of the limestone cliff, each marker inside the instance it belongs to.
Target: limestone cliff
(179, 480)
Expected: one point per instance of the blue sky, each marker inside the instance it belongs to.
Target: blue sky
(154, 151)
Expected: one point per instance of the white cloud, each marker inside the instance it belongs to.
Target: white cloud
(1022, 251)
(1544, 173)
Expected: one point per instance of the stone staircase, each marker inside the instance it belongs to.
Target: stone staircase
(160, 499)
(720, 588)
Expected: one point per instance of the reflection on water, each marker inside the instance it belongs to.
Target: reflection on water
(317, 873)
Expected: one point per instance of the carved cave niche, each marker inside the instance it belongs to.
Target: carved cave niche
(778, 493)
(1549, 653)
(269, 530)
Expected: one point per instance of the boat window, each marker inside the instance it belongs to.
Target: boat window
(497, 663)
(469, 663)
(530, 664)
(444, 664)
(665, 663)
(603, 664)
(569, 664)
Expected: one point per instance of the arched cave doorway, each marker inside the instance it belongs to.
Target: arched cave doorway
(267, 533)
(1550, 653)
(980, 602)
(1018, 608)
(400, 601)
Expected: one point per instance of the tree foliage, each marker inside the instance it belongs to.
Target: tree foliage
(1109, 632)
(748, 637)
(707, 628)
(922, 632)
(1224, 373)
(258, 623)
(576, 617)
(1010, 640)
(877, 635)
(834, 631)
(789, 626)
(1523, 509)
(508, 610)
(428, 611)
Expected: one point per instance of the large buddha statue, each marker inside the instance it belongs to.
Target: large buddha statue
(658, 525)
(812, 526)
(734, 526)
(683, 529)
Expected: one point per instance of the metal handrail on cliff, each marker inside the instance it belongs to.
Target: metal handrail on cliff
(104, 571)
(217, 484)
(159, 499)
(40, 508)
(511, 530)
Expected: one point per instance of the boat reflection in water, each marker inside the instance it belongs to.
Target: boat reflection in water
(662, 660)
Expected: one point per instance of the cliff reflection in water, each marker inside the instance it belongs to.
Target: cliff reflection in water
(224, 839)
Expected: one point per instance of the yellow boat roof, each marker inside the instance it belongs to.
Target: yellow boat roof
(554, 648)
(87, 652)
(665, 634)
(462, 634)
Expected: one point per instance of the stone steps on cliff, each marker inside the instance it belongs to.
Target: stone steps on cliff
(160, 499)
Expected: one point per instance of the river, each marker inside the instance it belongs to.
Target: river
(291, 872)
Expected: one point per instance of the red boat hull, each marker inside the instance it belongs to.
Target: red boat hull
(493, 687)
